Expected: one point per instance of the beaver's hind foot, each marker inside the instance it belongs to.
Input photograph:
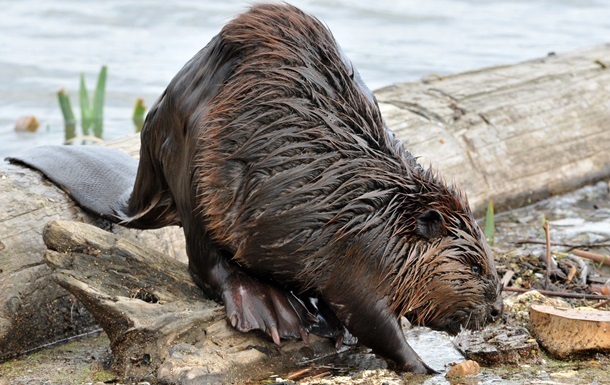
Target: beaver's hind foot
(252, 304)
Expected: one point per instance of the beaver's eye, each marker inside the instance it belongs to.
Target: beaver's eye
(476, 269)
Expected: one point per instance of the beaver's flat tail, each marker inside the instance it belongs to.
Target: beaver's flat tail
(99, 179)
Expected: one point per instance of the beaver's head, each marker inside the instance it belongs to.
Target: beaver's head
(445, 278)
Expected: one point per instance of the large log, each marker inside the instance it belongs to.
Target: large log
(509, 133)
(513, 133)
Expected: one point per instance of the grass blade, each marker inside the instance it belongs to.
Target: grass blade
(85, 108)
(68, 114)
(138, 115)
(490, 225)
(98, 103)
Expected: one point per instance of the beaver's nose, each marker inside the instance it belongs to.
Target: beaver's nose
(495, 311)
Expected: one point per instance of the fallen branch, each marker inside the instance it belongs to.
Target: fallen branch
(562, 294)
(563, 244)
(602, 304)
(160, 325)
(599, 258)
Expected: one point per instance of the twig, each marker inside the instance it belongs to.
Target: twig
(321, 375)
(298, 373)
(598, 305)
(507, 277)
(571, 245)
(560, 293)
(547, 276)
(599, 258)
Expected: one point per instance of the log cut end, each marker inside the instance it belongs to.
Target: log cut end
(566, 332)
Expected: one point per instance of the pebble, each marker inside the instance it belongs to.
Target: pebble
(465, 368)
(27, 124)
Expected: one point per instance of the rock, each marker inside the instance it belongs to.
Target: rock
(564, 332)
(27, 124)
(466, 368)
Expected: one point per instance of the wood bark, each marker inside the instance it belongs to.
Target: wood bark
(498, 345)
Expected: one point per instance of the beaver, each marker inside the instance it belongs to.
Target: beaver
(301, 210)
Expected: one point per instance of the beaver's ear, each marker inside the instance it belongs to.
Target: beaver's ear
(430, 224)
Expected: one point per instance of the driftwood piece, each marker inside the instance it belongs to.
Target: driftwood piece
(158, 321)
(597, 258)
(34, 310)
(566, 332)
(512, 133)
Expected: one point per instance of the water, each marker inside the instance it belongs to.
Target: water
(44, 45)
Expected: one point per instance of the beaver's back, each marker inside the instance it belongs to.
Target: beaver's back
(290, 143)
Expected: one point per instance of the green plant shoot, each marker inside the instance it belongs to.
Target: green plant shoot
(85, 109)
(138, 114)
(68, 114)
(490, 225)
(92, 112)
(97, 111)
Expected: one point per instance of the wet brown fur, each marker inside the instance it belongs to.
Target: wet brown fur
(272, 154)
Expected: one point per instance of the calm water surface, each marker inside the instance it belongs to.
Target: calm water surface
(44, 45)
